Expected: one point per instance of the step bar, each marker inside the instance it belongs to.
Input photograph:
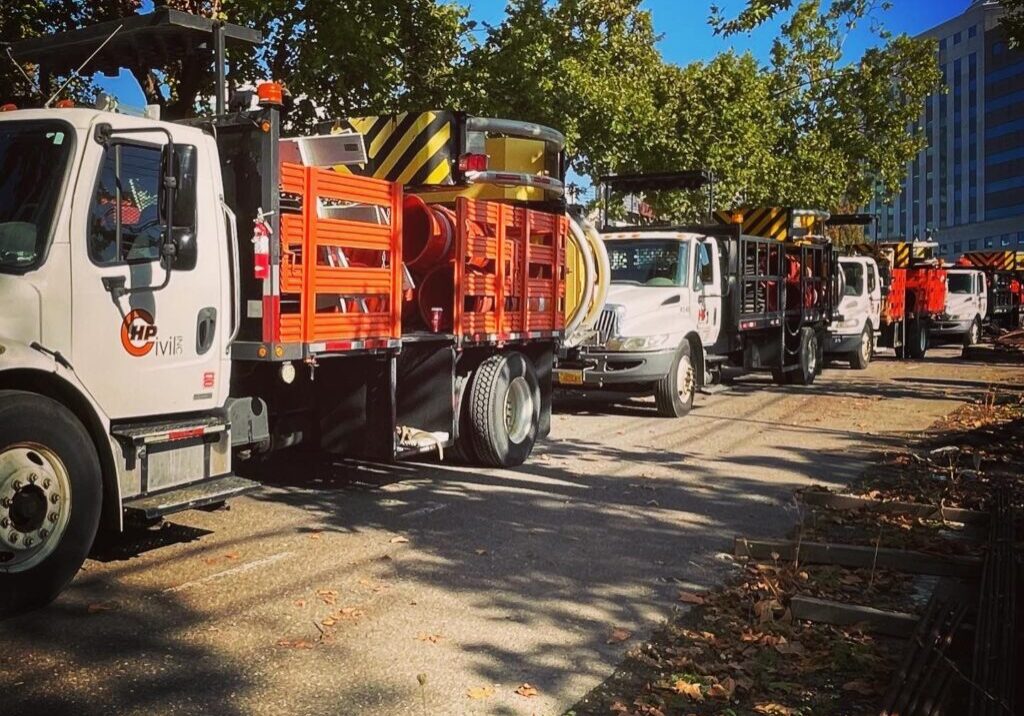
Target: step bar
(188, 497)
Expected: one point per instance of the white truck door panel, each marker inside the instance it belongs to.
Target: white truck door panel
(874, 288)
(153, 351)
(982, 295)
(708, 271)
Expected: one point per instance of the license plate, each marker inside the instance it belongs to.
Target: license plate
(569, 377)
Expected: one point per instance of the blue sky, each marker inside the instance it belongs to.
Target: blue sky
(685, 33)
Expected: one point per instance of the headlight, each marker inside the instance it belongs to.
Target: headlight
(849, 323)
(639, 343)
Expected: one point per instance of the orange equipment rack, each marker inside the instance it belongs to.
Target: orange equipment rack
(344, 275)
(509, 272)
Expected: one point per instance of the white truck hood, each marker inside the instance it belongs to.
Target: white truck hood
(643, 310)
(958, 305)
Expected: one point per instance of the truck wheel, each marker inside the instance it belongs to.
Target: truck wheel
(463, 451)
(50, 497)
(861, 357)
(673, 394)
(917, 341)
(808, 368)
(504, 410)
(973, 336)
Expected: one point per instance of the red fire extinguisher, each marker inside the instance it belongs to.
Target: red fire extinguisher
(261, 232)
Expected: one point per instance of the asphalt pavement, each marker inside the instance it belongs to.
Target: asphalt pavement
(354, 588)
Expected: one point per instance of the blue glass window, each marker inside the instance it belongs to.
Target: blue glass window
(972, 31)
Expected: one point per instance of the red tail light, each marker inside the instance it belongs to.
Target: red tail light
(9, 107)
(473, 163)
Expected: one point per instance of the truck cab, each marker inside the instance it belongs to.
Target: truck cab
(851, 336)
(663, 309)
(966, 307)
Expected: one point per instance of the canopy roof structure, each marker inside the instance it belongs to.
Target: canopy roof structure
(149, 41)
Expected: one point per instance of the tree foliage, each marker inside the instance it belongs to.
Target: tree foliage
(1013, 21)
(807, 127)
(588, 67)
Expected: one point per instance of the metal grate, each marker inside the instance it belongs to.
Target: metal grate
(608, 323)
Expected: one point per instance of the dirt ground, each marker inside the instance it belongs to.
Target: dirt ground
(344, 588)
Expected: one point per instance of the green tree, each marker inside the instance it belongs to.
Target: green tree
(847, 129)
(587, 67)
(1013, 21)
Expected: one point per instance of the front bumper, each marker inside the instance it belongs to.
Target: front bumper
(843, 342)
(594, 369)
(950, 326)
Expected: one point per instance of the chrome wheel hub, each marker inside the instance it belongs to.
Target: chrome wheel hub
(35, 505)
(685, 377)
(867, 347)
(518, 410)
(812, 359)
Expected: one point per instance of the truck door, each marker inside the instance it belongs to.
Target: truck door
(874, 287)
(708, 285)
(982, 294)
(159, 349)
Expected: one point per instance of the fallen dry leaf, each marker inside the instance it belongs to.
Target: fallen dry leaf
(860, 687)
(480, 692)
(527, 691)
(765, 609)
(399, 540)
(724, 689)
(329, 622)
(774, 709)
(432, 638)
(618, 634)
(687, 689)
(327, 596)
(790, 647)
(480, 551)
(690, 598)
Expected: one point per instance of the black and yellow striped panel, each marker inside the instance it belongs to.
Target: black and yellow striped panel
(900, 252)
(1001, 260)
(411, 148)
(769, 222)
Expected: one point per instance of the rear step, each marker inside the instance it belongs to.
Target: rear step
(189, 497)
(149, 433)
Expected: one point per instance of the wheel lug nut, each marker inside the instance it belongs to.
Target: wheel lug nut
(43, 534)
(32, 478)
(46, 484)
(5, 502)
(54, 498)
(16, 485)
(53, 517)
(13, 538)
(28, 541)
(5, 523)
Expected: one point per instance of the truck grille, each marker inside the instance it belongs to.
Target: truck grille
(608, 323)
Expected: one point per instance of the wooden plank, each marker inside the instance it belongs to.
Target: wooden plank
(817, 498)
(845, 555)
(876, 621)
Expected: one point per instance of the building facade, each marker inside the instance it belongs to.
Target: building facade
(966, 189)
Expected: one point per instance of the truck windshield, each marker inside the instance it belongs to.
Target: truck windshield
(33, 158)
(854, 275)
(649, 263)
(959, 283)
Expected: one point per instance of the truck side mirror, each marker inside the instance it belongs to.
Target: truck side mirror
(178, 201)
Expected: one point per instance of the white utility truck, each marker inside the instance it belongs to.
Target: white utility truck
(176, 295)
(754, 291)
(851, 336)
(966, 307)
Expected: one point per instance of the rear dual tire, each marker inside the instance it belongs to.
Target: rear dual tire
(501, 412)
